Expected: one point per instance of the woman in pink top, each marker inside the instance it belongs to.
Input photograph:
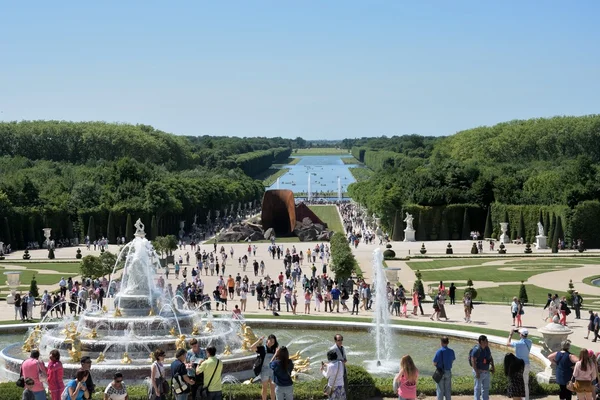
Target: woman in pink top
(406, 380)
(32, 367)
(584, 373)
(55, 375)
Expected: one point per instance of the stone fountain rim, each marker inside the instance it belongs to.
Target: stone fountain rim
(536, 350)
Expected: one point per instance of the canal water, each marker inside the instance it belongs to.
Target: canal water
(324, 172)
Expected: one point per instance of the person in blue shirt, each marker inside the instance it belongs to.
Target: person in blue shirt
(522, 348)
(335, 296)
(443, 359)
(482, 363)
(282, 368)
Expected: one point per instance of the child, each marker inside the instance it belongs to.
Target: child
(404, 308)
(28, 393)
(405, 383)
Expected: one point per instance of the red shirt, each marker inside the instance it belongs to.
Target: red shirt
(31, 368)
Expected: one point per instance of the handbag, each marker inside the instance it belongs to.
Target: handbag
(204, 391)
(571, 385)
(21, 381)
(327, 390)
(438, 374)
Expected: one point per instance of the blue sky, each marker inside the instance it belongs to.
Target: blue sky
(315, 69)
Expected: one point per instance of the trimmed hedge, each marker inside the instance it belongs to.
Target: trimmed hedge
(531, 216)
(442, 222)
(584, 223)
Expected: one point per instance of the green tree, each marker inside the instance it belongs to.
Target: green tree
(558, 234)
(164, 245)
(153, 228)
(33, 288)
(523, 293)
(547, 224)
(343, 262)
(570, 293)
(91, 229)
(552, 228)
(521, 230)
(129, 229)
(110, 229)
(5, 231)
(487, 232)
(466, 226)
(96, 267)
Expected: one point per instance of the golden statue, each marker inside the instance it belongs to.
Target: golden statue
(93, 334)
(180, 343)
(172, 331)
(75, 353)
(295, 356)
(33, 340)
(117, 312)
(100, 358)
(248, 337)
(209, 327)
(104, 309)
(227, 351)
(195, 330)
(301, 365)
(126, 359)
(151, 313)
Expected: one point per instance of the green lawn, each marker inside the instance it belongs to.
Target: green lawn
(562, 260)
(63, 269)
(289, 161)
(325, 151)
(504, 294)
(330, 216)
(491, 273)
(438, 264)
(361, 174)
(49, 266)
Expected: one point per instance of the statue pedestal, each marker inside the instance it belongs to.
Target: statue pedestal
(409, 235)
(540, 242)
(504, 239)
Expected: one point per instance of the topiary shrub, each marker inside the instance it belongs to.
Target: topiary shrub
(528, 249)
(33, 288)
(51, 254)
(449, 249)
(361, 384)
(78, 255)
(389, 254)
(471, 290)
(523, 293)
(26, 255)
(502, 249)
(474, 249)
(423, 249)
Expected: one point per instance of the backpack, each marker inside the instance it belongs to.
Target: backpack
(473, 353)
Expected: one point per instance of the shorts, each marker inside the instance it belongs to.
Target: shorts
(224, 301)
(230, 290)
(266, 373)
(514, 315)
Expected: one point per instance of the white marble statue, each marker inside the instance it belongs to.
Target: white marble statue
(409, 221)
(540, 229)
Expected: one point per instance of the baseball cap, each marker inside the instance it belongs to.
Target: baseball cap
(524, 331)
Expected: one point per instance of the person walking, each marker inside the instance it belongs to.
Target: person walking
(520, 312)
(452, 293)
(35, 369)
(282, 368)
(341, 356)
(577, 302)
(468, 306)
(55, 375)
(514, 309)
(584, 373)
(443, 359)
(513, 369)
(522, 349)
(483, 364)
(405, 383)
(335, 377)
(564, 361)
(212, 368)
(436, 308)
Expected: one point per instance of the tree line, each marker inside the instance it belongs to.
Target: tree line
(537, 162)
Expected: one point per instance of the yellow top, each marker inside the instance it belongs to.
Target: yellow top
(208, 367)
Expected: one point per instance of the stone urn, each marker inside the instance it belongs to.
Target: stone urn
(12, 281)
(554, 334)
(504, 238)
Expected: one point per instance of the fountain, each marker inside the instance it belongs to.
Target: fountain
(382, 331)
(142, 319)
(554, 334)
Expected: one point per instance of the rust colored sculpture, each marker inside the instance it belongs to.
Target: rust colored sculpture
(279, 211)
